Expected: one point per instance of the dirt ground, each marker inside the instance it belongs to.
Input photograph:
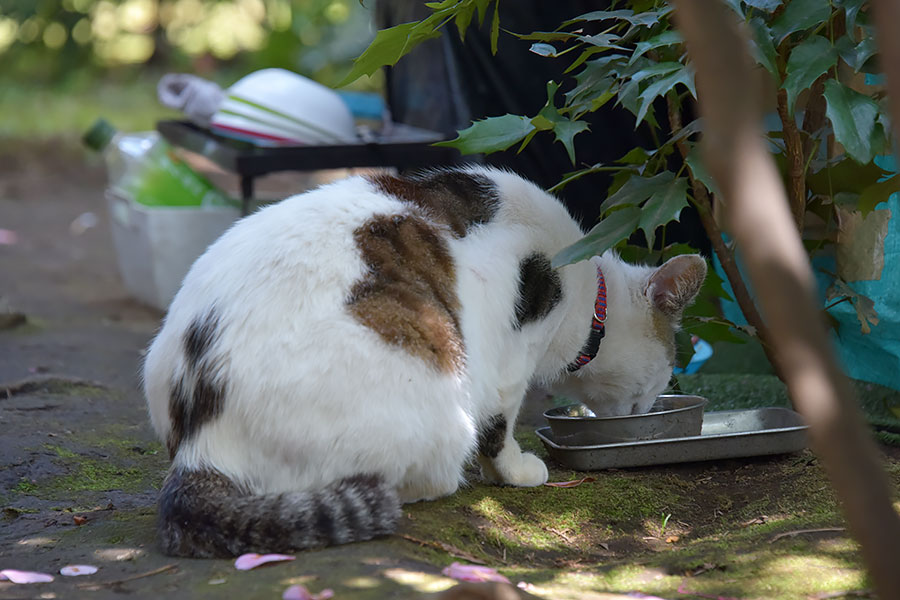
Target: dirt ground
(80, 468)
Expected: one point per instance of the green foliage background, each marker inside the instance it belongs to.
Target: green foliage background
(65, 62)
(811, 54)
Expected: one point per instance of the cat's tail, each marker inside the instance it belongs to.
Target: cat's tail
(204, 514)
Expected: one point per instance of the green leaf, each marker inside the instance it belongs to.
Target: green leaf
(799, 15)
(601, 15)
(768, 6)
(865, 307)
(575, 175)
(637, 189)
(666, 38)
(566, 131)
(643, 18)
(698, 169)
(656, 69)
(852, 117)
(491, 135)
(594, 72)
(635, 156)
(808, 60)
(611, 230)
(604, 41)
(464, 18)
(851, 10)
(763, 48)
(663, 206)
(662, 85)
(583, 57)
(389, 46)
(495, 27)
(543, 49)
(546, 36)
(564, 128)
(688, 130)
(847, 176)
(856, 55)
(877, 193)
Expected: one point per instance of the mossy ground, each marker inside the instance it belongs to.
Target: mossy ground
(73, 449)
(725, 528)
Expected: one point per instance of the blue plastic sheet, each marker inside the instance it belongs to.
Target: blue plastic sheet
(875, 356)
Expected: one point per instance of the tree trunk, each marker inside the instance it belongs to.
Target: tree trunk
(765, 232)
(703, 204)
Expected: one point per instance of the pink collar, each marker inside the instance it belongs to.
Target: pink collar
(598, 328)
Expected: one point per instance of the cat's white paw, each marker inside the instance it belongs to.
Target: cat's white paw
(525, 470)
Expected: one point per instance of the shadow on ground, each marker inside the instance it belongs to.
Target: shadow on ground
(80, 469)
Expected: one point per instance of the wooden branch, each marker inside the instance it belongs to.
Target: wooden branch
(814, 118)
(796, 160)
(703, 204)
(765, 232)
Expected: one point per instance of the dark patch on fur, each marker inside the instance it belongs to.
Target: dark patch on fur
(409, 296)
(540, 289)
(491, 436)
(203, 514)
(457, 199)
(197, 397)
(199, 337)
(178, 403)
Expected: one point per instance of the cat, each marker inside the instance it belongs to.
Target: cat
(350, 349)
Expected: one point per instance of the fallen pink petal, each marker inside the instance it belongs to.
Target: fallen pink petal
(25, 576)
(683, 589)
(8, 237)
(569, 484)
(245, 562)
(76, 570)
(475, 573)
(298, 592)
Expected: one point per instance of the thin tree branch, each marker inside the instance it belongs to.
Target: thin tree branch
(703, 204)
(796, 161)
(761, 222)
(814, 118)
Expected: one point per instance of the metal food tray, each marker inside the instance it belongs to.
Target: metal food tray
(725, 434)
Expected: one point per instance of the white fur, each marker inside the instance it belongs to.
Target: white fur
(313, 395)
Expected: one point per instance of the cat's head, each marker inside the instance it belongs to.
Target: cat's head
(635, 359)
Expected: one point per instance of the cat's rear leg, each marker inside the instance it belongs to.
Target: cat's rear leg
(429, 489)
(441, 473)
(499, 454)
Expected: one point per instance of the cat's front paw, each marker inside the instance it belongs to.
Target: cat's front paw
(526, 470)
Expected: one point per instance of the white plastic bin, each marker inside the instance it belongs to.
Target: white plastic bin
(155, 247)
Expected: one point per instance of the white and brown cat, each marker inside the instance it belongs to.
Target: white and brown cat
(350, 349)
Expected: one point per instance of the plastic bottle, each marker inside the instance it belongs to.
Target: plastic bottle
(143, 167)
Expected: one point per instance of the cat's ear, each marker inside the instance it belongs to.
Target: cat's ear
(675, 284)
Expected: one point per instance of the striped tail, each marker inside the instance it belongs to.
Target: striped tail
(204, 514)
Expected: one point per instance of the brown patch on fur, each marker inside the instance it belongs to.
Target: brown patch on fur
(409, 295)
(457, 199)
(663, 327)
